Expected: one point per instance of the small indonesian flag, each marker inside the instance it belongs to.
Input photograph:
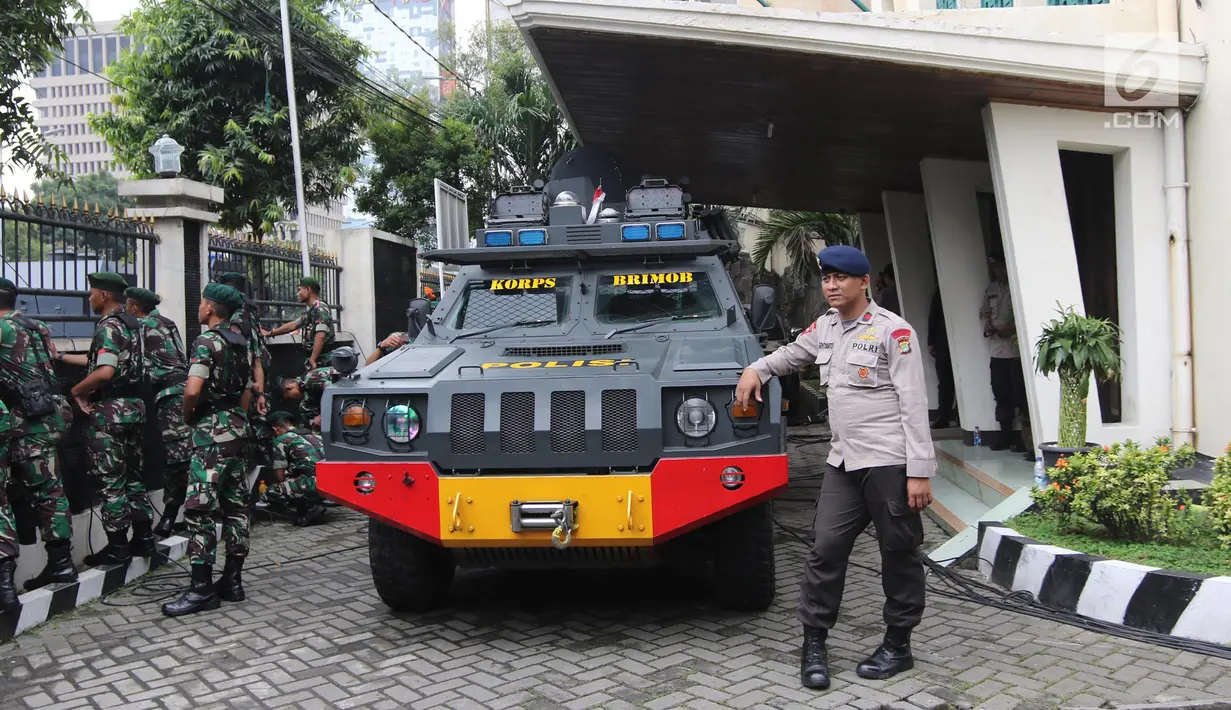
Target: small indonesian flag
(599, 195)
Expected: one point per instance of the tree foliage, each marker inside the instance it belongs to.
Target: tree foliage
(99, 190)
(410, 154)
(796, 232)
(32, 35)
(217, 85)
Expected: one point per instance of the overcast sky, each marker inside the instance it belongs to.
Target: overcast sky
(468, 12)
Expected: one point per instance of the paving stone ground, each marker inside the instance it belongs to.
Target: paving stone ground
(313, 634)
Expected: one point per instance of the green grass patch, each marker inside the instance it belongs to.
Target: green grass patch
(1203, 555)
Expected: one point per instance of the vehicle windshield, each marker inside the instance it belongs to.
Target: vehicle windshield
(495, 302)
(640, 297)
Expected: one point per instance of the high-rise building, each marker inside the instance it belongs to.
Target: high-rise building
(396, 56)
(71, 88)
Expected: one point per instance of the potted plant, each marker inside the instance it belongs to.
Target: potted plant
(1075, 347)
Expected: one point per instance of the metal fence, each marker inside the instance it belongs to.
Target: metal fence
(274, 270)
(48, 249)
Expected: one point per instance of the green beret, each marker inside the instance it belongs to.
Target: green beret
(108, 281)
(143, 296)
(310, 282)
(231, 277)
(225, 295)
(6, 285)
(280, 416)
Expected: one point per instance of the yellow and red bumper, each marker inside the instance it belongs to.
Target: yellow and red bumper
(679, 495)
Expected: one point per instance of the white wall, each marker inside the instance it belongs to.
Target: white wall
(876, 244)
(906, 221)
(949, 188)
(1024, 142)
(1209, 220)
(358, 297)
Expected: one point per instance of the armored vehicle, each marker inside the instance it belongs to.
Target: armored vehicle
(569, 402)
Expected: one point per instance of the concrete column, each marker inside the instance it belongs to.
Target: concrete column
(949, 188)
(1024, 143)
(906, 221)
(176, 204)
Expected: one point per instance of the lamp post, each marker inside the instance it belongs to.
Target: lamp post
(166, 154)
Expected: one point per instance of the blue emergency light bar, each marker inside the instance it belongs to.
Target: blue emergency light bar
(669, 230)
(635, 232)
(531, 237)
(498, 239)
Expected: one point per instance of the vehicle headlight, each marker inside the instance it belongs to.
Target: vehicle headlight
(695, 417)
(402, 423)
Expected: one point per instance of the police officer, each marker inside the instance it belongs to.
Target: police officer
(113, 396)
(166, 367)
(316, 327)
(40, 415)
(296, 454)
(879, 467)
(216, 401)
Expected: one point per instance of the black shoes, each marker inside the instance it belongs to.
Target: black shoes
(8, 593)
(310, 515)
(814, 660)
(115, 553)
(890, 658)
(163, 529)
(230, 586)
(59, 567)
(143, 539)
(199, 597)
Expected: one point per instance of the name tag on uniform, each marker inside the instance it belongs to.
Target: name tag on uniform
(874, 347)
(826, 346)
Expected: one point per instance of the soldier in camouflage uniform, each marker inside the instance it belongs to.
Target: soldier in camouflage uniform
(26, 360)
(316, 327)
(166, 367)
(295, 457)
(112, 394)
(216, 401)
(8, 525)
(260, 437)
(306, 391)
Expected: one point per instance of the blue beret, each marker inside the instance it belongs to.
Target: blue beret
(844, 259)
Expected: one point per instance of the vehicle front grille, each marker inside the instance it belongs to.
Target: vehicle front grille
(568, 422)
(517, 422)
(547, 557)
(619, 420)
(466, 427)
(565, 350)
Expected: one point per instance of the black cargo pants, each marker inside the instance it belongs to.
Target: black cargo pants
(849, 500)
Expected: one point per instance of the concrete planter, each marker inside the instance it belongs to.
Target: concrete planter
(1148, 598)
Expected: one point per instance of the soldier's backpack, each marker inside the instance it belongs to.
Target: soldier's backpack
(37, 394)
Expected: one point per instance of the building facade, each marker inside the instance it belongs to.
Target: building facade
(407, 38)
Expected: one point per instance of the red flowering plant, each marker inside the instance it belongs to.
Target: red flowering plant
(1123, 491)
(1063, 480)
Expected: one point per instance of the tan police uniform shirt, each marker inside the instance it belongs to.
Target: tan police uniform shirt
(996, 312)
(878, 406)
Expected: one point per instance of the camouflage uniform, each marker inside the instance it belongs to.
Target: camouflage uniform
(167, 369)
(312, 385)
(117, 423)
(216, 477)
(316, 318)
(259, 436)
(296, 453)
(25, 356)
(9, 547)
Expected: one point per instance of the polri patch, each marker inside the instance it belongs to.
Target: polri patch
(902, 335)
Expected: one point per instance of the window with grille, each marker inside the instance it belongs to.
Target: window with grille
(946, 4)
(634, 298)
(538, 300)
(996, 3)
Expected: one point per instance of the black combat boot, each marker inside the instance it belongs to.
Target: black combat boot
(198, 597)
(59, 567)
(8, 592)
(890, 658)
(230, 586)
(115, 553)
(814, 659)
(310, 515)
(143, 544)
(163, 529)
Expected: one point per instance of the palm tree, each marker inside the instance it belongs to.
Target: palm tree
(796, 232)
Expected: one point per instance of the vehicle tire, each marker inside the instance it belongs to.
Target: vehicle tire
(744, 569)
(410, 574)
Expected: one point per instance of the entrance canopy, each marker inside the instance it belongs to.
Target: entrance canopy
(816, 111)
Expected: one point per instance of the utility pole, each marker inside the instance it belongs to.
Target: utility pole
(487, 9)
(301, 217)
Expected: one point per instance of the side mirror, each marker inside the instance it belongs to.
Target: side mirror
(762, 307)
(416, 315)
(344, 360)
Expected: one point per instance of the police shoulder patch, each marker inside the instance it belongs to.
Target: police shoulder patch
(902, 336)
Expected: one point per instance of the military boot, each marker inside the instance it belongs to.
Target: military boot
(893, 656)
(310, 515)
(59, 567)
(814, 659)
(164, 527)
(200, 596)
(115, 553)
(8, 592)
(230, 586)
(143, 544)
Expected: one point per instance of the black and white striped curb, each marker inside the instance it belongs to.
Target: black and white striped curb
(1196, 606)
(43, 604)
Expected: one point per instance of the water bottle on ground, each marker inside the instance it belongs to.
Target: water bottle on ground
(978, 437)
(1040, 473)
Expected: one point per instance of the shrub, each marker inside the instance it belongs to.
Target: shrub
(1057, 498)
(1182, 456)
(1122, 491)
(1218, 498)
